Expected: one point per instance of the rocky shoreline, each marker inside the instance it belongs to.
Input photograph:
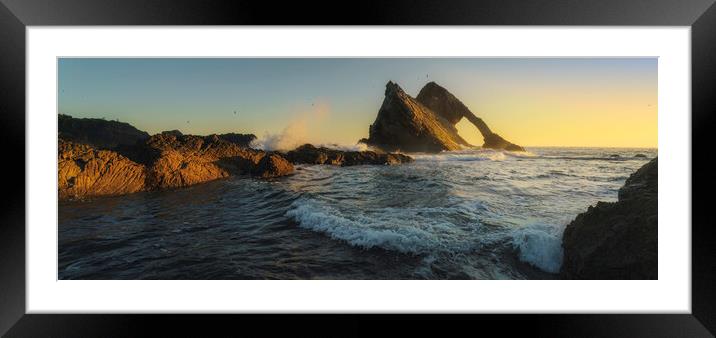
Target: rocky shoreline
(617, 240)
(101, 164)
(98, 157)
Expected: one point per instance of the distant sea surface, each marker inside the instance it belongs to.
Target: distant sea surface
(472, 214)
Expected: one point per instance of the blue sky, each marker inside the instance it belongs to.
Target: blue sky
(337, 99)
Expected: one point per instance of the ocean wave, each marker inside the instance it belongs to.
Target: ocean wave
(414, 231)
(462, 155)
(406, 230)
(540, 245)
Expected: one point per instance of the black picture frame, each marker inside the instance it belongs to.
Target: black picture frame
(15, 15)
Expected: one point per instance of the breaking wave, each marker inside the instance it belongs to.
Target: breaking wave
(473, 155)
(539, 245)
(402, 230)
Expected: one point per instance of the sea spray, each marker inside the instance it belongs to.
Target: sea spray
(302, 129)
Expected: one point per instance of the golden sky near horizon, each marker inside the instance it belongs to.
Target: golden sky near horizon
(601, 102)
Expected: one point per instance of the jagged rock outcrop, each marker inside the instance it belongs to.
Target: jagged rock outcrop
(617, 240)
(165, 160)
(85, 171)
(308, 154)
(104, 134)
(405, 124)
(426, 123)
(98, 133)
(272, 165)
(184, 160)
(243, 140)
(445, 104)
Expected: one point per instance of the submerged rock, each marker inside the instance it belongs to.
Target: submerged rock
(617, 240)
(308, 154)
(427, 123)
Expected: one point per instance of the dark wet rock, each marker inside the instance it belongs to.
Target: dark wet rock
(98, 133)
(617, 240)
(494, 141)
(640, 156)
(174, 132)
(309, 154)
(445, 104)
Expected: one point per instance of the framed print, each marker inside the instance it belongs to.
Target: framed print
(498, 162)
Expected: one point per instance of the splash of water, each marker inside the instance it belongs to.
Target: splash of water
(299, 131)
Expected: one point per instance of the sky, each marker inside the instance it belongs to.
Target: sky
(603, 102)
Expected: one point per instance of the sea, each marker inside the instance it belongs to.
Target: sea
(469, 214)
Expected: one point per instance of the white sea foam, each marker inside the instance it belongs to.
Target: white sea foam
(403, 230)
(344, 147)
(473, 155)
(540, 245)
(462, 155)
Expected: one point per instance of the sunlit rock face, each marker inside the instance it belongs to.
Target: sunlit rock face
(85, 171)
(617, 240)
(165, 160)
(405, 124)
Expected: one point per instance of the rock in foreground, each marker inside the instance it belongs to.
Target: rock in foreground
(617, 240)
(166, 160)
(84, 171)
(308, 154)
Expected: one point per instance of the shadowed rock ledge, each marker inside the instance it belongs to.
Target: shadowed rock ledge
(308, 154)
(617, 240)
